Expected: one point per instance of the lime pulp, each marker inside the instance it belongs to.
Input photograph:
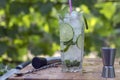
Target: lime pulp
(66, 32)
(79, 41)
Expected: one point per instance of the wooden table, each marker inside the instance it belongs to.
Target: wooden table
(92, 69)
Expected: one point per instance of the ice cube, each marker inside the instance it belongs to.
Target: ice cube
(67, 18)
(74, 14)
(73, 53)
(67, 15)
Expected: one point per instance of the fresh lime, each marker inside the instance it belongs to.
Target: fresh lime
(66, 32)
(79, 41)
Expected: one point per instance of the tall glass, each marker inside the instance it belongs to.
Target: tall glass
(72, 41)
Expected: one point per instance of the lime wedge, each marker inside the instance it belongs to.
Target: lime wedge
(66, 32)
(79, 41)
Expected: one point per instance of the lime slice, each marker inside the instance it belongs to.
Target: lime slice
(66, 32)
(79, 41)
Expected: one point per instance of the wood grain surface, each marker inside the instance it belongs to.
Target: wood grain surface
(92, 69)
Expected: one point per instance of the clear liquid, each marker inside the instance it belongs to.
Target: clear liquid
(73, 55)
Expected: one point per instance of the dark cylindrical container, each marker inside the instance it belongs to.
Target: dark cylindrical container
(108, 55)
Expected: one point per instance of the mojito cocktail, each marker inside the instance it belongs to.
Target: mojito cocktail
(72, 41)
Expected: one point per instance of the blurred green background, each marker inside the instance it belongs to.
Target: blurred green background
(31, 26)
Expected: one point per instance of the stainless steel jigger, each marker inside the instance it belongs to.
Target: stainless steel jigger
(108, 57)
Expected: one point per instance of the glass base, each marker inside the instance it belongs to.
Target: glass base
(72, 69)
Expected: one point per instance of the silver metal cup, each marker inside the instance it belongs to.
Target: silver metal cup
(108, 57)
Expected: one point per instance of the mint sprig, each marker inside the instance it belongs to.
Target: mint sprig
(63, 12)
(85, 20)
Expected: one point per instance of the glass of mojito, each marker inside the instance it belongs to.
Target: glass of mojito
(72, 40)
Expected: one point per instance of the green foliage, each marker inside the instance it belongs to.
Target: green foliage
(18, 7)
(3, 47)
(32, 26)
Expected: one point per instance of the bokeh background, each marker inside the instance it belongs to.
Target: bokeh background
(30, 27)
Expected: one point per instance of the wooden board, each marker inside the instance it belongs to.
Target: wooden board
(92, 69)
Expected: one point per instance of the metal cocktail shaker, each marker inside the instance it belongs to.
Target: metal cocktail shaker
(108, 57)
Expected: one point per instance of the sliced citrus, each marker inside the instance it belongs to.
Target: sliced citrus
(79, 41)
(66, 32)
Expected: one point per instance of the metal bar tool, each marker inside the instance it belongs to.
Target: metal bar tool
(108, 57)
